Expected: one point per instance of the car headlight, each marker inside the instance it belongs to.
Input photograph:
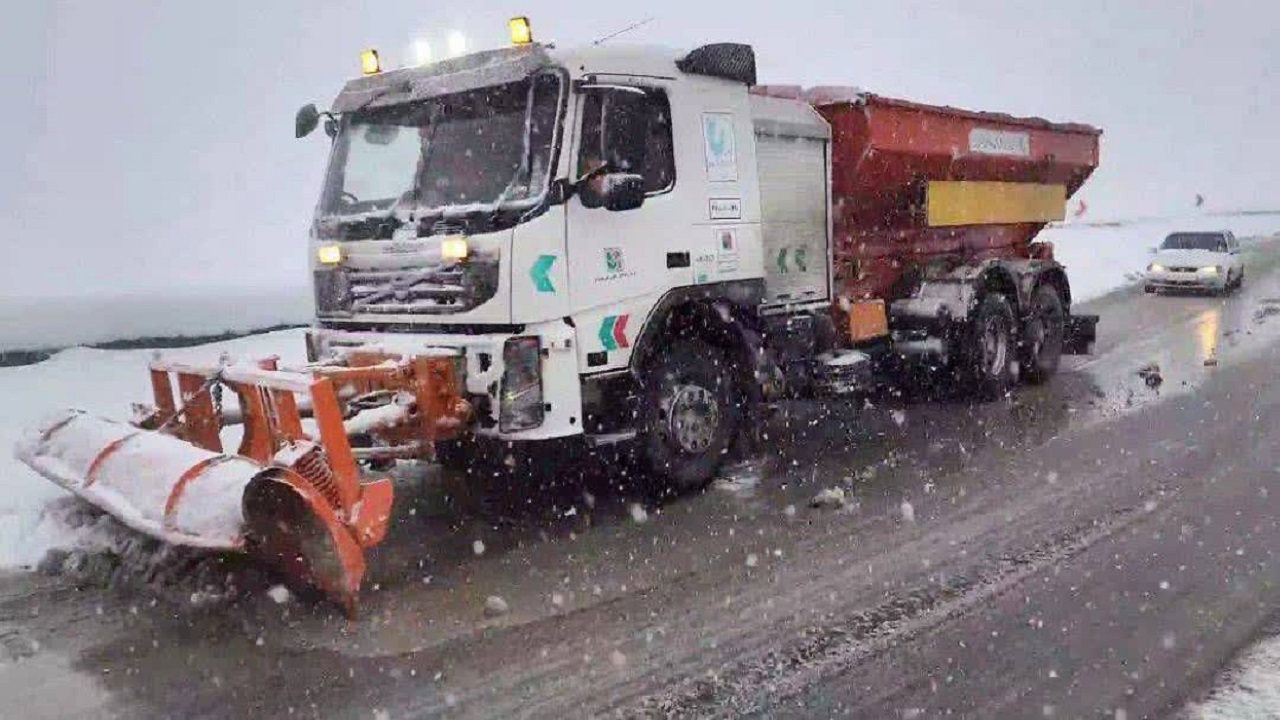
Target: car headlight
(1155, 267)
(1212, 270)
(521, 407)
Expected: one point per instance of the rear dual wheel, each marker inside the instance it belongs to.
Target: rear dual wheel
(1043, 335)
(995, 342)
(989, 350)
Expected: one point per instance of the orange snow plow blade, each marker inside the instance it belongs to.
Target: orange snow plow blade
(292, 494)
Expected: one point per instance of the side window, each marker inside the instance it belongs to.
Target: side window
(630, 128)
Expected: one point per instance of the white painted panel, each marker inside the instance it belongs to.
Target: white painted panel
(793, 204)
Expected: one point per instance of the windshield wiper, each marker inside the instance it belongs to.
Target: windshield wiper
(365, 227)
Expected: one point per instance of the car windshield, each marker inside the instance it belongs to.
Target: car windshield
(472, 151)
(1213, 242)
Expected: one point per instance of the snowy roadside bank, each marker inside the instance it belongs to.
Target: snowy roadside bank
(102, 382)
(1249, 689)
(53, 323)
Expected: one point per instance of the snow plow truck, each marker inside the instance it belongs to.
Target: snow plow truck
(615, 244)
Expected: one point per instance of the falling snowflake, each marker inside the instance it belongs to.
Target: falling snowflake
(638, 513)
(908, 511)
(752, 560)
(477, 547)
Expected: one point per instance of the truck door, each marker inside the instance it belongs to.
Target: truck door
(616, 255)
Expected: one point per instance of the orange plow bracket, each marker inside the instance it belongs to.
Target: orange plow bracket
(293, 498)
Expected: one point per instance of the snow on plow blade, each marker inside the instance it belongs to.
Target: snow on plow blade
(154, 483)
(290, 496)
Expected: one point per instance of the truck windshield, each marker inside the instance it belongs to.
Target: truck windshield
(1213, 242)
(470, 153)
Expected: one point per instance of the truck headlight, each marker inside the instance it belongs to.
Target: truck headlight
(1212, 270)
(1155, 267)
(521, 407)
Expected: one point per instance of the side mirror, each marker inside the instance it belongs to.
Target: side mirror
(623, 191)
(306, 121)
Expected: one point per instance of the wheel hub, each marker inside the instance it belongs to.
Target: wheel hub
(693, 417)
(1036, 331)
(995, 347)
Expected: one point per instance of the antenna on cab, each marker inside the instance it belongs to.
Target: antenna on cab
(623, 31)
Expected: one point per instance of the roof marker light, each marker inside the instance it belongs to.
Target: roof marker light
(422, 52)
(521, 31)
(369, 62)
(457, 43)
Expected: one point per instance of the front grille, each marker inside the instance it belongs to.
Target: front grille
(413, 291)
(436, 290)
(1184, 269)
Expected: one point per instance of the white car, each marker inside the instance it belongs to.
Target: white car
(1196, 261)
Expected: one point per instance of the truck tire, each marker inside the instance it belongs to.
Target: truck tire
(691, 406)
(1042, 336)
(989, 349)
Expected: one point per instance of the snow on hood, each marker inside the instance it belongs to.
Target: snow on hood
(1189, 258)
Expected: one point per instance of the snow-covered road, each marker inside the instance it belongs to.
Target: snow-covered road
(973, 488)
(1098, 259)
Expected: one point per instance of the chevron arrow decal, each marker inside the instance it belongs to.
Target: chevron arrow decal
(613, 332)
(539, 273)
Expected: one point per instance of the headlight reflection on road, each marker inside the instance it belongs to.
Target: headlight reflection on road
(1208, 325)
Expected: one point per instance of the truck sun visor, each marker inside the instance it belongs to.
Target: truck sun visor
(730, 61)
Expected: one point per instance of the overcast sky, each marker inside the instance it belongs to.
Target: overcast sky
(148, 144)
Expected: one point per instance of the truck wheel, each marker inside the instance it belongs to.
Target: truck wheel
(691, 408)
(988, 362)
(1041, 346)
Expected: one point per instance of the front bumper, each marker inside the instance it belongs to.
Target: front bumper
(1171, 280)
(480, 365)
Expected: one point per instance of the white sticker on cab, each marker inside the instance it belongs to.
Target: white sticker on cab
(724, 208)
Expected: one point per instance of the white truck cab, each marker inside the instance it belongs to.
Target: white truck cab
(558, 218)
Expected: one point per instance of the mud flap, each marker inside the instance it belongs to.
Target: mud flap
(1079, 334)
